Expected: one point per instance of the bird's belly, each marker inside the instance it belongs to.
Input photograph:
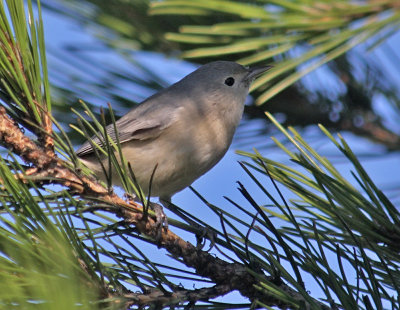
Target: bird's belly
(178, 166)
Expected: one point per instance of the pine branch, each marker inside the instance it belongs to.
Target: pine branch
(316, 33)
(229, 275)
(161, 299)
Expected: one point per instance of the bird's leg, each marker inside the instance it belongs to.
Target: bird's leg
(201, 230)
(161, 219)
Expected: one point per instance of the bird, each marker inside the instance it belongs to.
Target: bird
(178, 134)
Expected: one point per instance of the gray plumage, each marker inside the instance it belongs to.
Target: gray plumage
(184, 129)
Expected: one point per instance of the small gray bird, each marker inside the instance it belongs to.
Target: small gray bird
(182, 131)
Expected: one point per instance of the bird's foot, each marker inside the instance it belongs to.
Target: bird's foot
(161, 220)
(130, 198)
(205, 233)
(202, 232)
(160, 217)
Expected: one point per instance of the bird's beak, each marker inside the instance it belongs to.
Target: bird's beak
(256, 72)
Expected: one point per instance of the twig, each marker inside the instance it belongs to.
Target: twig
(161, 299)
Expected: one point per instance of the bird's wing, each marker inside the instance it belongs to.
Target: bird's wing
(147, 121)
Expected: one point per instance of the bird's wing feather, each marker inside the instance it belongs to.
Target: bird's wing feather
(147, 121)
(126, 132)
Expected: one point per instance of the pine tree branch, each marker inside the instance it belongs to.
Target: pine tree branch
(161, 299)
(231, 276)
(13, 138)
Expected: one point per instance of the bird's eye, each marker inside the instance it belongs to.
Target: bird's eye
(230, 81)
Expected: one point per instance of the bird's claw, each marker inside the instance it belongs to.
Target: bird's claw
(131, 198)
(205, 233)
(161, 220)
